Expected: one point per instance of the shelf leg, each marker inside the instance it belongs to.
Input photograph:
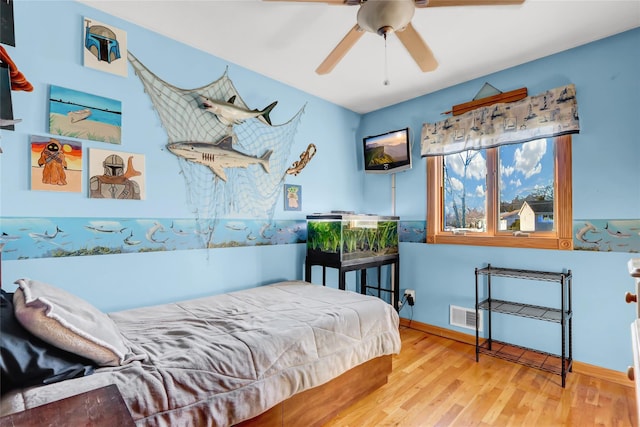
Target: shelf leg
(562, 322)
(395, 283)
(490, 343)
(307, 271)
(477, 321)
(570, 324)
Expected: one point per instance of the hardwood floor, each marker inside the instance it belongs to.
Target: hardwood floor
(437, 382)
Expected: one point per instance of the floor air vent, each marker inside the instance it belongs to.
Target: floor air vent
(464, 317)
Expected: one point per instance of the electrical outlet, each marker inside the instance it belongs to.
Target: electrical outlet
(412, 294)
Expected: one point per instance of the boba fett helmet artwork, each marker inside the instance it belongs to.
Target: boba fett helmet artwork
(101, 42)
(105, 47)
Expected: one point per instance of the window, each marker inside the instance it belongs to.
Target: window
(516, 195)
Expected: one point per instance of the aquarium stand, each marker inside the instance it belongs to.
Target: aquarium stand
(359, 265)
(354, 242)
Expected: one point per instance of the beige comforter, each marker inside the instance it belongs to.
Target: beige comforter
(223, 359)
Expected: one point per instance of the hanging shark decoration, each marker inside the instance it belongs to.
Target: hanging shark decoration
(231, 114)
(233, 158)
(218, 156)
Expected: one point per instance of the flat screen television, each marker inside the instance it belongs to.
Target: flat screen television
(388, 152)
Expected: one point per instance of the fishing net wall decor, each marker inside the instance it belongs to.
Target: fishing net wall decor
(248, 192)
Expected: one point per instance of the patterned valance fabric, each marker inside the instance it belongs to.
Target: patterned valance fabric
(549, 114)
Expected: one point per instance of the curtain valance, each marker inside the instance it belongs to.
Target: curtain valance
(549, 114)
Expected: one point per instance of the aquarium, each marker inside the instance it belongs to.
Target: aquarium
(343, 239)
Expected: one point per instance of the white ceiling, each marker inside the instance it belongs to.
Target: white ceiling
(286, 41)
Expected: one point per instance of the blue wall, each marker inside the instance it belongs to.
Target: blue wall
(606, 184)
(48, 51)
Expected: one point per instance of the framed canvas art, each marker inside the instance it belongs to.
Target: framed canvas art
(105, 47)
(292, 197)
(116, 175)
(84, 116)
(56, 164)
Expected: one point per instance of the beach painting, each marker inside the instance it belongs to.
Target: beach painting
(116, 175)
(105, 47)
(56, 164)
(81, 115)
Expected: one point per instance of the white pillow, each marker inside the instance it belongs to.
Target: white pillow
(68, 322)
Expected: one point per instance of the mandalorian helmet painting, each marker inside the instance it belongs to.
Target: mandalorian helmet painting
(113, 165)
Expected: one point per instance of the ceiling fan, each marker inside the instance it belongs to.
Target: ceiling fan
(392, 16)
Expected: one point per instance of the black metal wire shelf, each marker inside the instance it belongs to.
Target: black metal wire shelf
(546, 276)
(524, 310)
(561, 315)
(537, 359)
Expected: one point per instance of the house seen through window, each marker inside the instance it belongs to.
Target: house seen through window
(499, 171)
(525, 183)
(498, 196)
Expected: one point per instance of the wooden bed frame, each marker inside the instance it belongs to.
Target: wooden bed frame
(316, 406)
(312, 408)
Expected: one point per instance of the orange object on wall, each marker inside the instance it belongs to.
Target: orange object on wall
(18, 80)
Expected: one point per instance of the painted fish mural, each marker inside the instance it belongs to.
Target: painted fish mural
(150, 235)
(45, 237)
(23, 238)
(588, 227)
(601, 235)
(100, 229)
(27, 238)
(130, 242)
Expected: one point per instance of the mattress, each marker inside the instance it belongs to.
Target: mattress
(224, 359)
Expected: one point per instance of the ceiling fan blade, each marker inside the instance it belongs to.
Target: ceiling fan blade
(334, 2)
(340, 50)
(439, 3)
(417, 47)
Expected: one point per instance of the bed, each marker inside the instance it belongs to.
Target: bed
(290, 350)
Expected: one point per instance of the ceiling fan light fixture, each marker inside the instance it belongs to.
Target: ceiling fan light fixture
(385, 16)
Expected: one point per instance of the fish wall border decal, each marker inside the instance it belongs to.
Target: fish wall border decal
(31, 238)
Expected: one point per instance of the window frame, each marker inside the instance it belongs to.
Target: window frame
(560, 239)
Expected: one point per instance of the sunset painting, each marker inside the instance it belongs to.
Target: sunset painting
(56, 164)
